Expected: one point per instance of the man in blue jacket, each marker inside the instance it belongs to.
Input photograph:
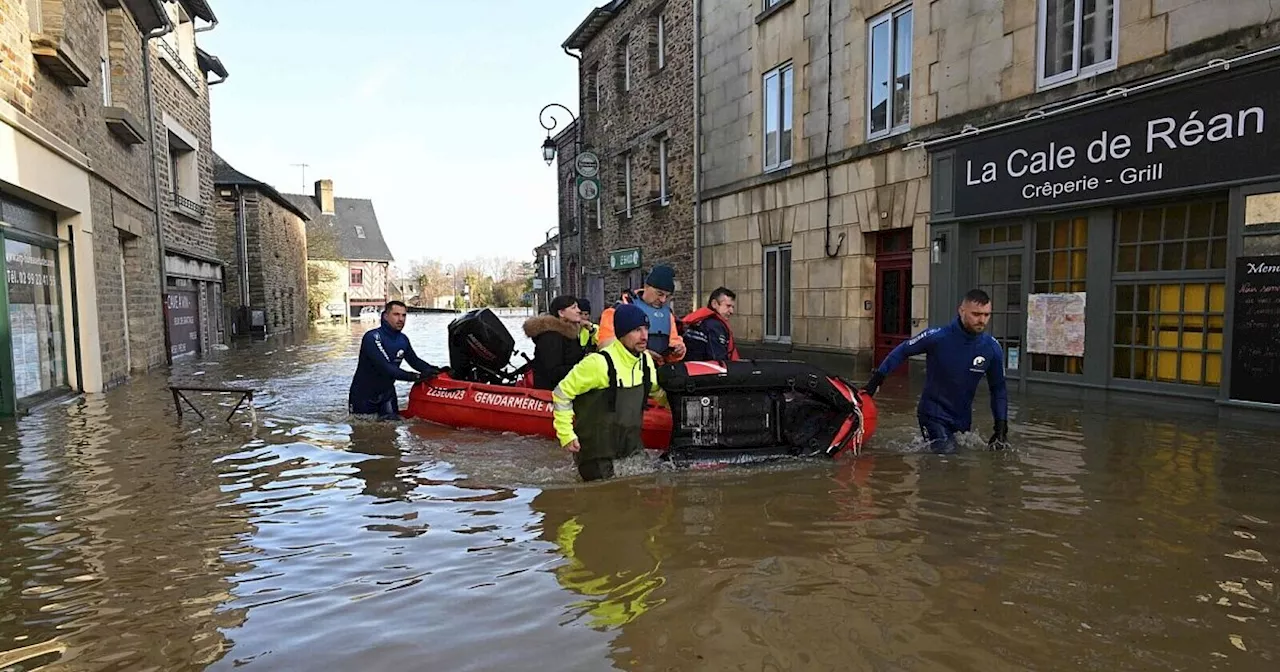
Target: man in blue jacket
(957, 356)
(373, 388)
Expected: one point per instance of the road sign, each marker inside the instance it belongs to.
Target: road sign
(623, 259)
(587, 164)
(588, 188)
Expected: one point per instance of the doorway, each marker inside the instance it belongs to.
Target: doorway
(893, 292)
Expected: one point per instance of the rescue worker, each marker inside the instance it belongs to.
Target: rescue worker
(665, 343)
(708, 336)
(382, 350)
(607, 393)
(556, 341)
(957, 356)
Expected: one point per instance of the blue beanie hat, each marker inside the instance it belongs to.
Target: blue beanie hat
(628, 318)
(662, 277)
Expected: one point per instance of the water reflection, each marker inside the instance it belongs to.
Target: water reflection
(134, 539)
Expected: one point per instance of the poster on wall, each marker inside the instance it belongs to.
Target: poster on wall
(1055, 324)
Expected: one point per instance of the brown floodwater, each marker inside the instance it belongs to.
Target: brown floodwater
(295, 538)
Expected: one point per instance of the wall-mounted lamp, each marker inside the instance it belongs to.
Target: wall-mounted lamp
(939, 248)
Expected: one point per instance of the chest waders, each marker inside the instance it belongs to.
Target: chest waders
(608, 423)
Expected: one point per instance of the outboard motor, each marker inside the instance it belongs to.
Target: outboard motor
(480, 347)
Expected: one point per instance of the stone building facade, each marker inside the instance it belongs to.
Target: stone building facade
(82, 270)
(182, 136)
(819, 120)
(800, 197)
(264, 238)
(636, 111)
(1125, 260)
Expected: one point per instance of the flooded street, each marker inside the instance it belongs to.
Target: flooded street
(131, 539)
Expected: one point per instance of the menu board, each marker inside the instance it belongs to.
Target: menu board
(184, 331)
(1255, 338)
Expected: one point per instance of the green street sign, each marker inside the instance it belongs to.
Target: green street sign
(588, 188)
(621, 260)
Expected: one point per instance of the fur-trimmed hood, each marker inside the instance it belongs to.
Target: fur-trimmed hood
(541, 324)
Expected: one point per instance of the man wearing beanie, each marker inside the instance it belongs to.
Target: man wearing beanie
(665, 343)
(589, 337)
(606, 394)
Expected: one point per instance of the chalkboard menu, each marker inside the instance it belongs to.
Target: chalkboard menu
(1255, 340)
(184, 331)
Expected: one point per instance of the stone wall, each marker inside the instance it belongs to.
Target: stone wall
(658, 104)
(282, 261)
(129, 320)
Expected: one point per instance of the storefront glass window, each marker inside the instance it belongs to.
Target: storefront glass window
(1168, 326)
(1061, 264)
(35, 319)
(999, 260)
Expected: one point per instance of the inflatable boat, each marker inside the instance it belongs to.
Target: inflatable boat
(742, 411)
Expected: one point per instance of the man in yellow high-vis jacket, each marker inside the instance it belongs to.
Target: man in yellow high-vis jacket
(607, 392)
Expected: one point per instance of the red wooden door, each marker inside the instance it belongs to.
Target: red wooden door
(893, 291)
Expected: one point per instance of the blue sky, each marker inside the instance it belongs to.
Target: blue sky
(428, 107)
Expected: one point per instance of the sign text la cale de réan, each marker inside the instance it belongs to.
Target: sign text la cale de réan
(1208, 131)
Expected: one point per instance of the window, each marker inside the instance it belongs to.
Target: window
(626, 66)
(664, 189)
(184, 173)
(357, 277)
(1170, 293)
(1076, 39)
(777, 293)
(359, 232)
(1060, 265)
(599, 214)
(998, 257)
(626, 176)
(770, 3)
(889, 81)
(662, 43)
(105, 58)
(777, 118)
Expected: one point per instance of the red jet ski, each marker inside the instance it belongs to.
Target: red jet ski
(747, 410)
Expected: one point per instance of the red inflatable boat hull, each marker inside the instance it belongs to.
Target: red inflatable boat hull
(499, 408)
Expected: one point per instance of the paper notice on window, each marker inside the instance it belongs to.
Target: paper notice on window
(1055, 324)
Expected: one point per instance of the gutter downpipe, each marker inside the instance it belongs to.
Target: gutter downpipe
(826, 150)
(242, 250)
(149, 86)
(577, 202)
(697, 154)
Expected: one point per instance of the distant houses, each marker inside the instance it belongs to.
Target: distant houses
(348, 261)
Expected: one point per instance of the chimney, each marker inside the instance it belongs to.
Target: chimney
(324, 196)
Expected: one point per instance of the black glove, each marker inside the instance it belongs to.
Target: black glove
(1000, 439)
(873, 383)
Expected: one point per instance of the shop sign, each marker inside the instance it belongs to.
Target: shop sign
(24, 269)
(1220, 128)
(184, 328)
(1255, 335)
(621, 260)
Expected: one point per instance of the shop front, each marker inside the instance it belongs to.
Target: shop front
(193, 309)
(33, 366)
(1129, 243)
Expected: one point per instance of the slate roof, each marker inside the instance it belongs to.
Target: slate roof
(593, 24)
(224, 174)
(348, 214)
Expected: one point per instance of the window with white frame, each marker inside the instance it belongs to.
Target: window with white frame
(359, 232)
(662, 42)
(626, 66)
(889, 72)
(184, 172)
(777, 118)
(1077, 38)
(664, 174)
(105, 58)
(777, 293)
(770, 3)
(626, 177)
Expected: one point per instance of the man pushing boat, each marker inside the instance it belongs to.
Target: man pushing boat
(607, 393)
(959, 355)
(373, 387)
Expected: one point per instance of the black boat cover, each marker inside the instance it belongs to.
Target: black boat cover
(753, 410)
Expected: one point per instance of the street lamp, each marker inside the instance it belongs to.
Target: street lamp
(549, 155)
(549, 145)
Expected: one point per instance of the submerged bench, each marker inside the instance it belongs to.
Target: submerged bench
(177, 389)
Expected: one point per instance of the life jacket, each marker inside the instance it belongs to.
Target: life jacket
(696, 318)
(608, 421)
(660, 321)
